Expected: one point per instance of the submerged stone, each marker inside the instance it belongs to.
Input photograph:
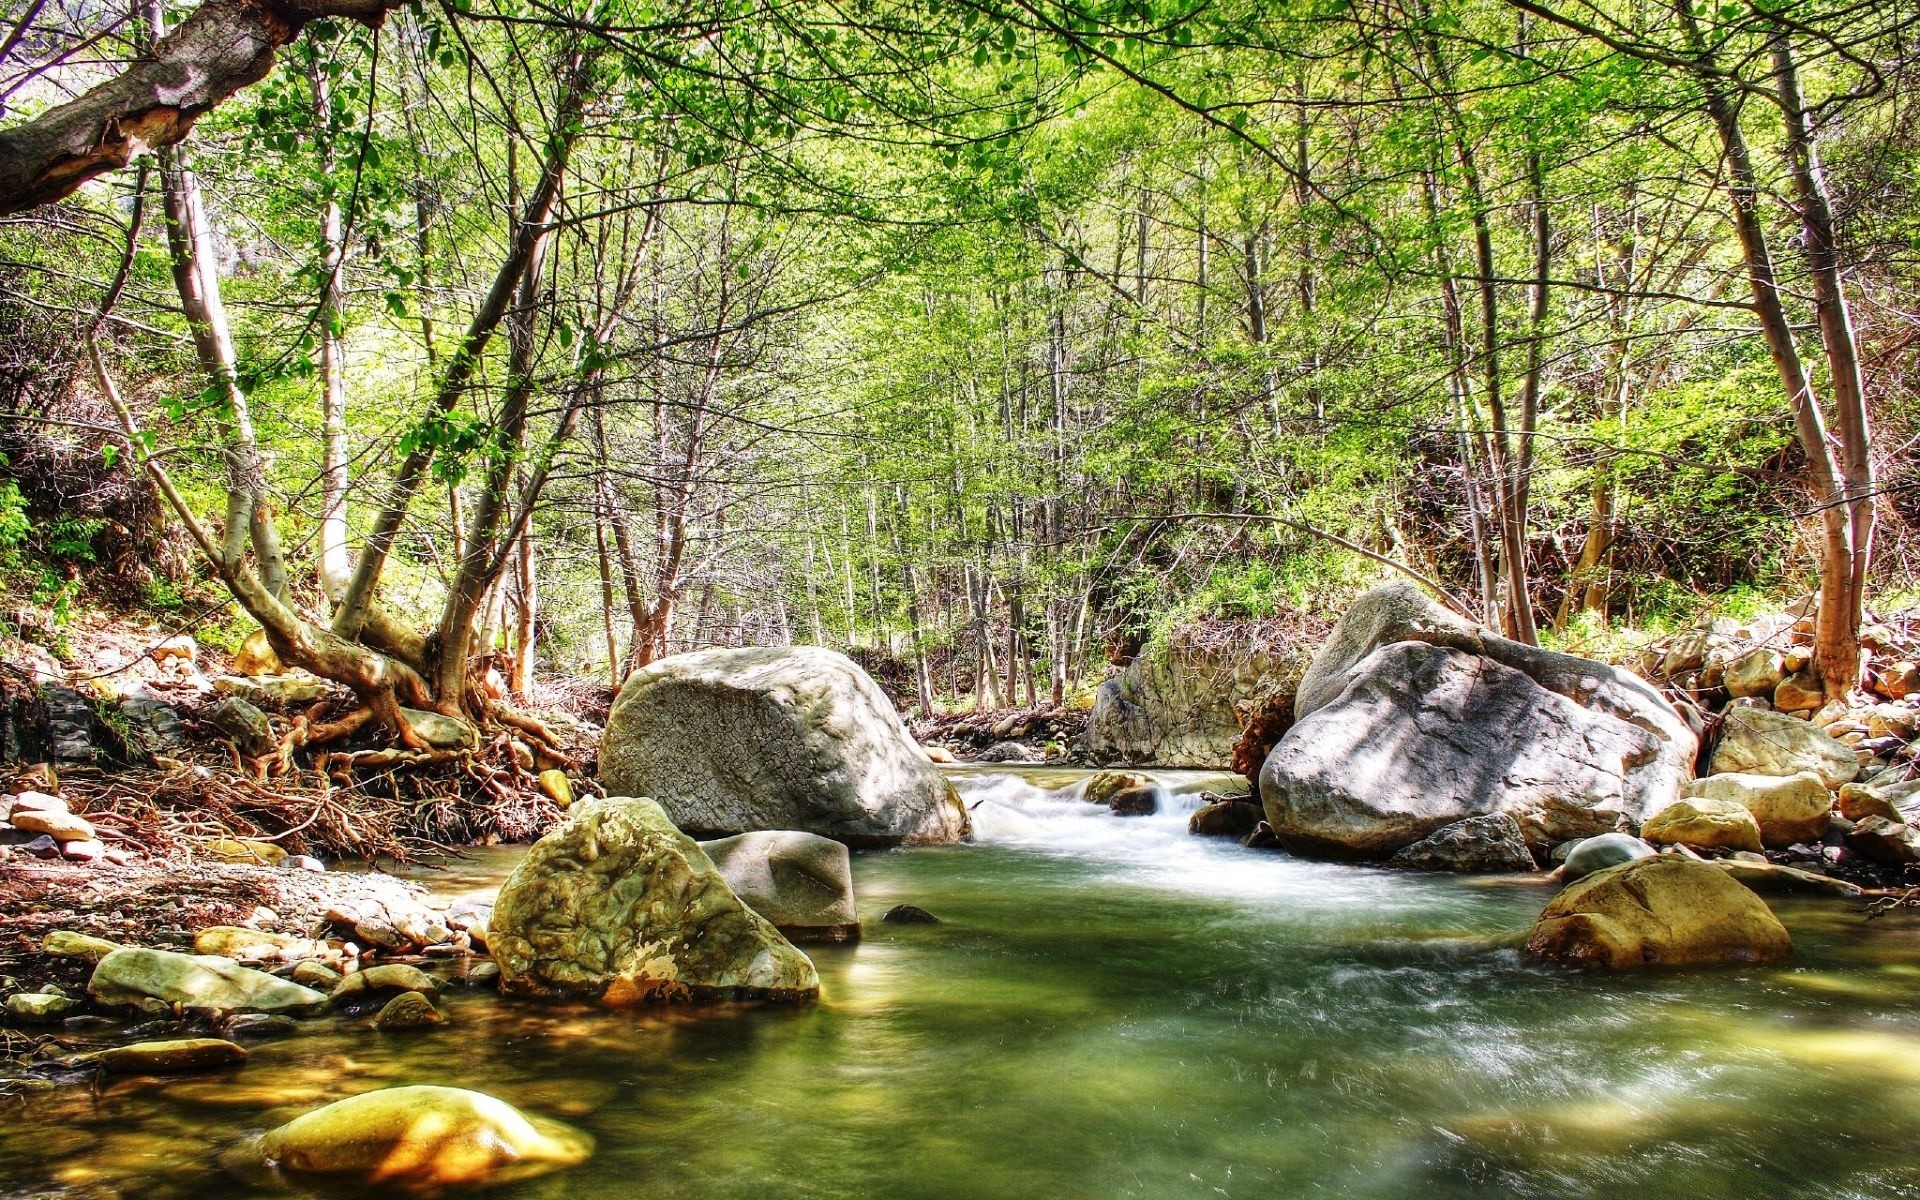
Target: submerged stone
(408, 1010)
(423, 1139)
(180, 1054)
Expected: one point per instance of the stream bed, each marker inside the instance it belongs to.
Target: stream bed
(1112, 1008)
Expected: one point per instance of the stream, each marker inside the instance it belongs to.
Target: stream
(1112, 1008)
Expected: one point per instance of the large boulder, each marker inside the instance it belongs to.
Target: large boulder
(1755, 741)
(1703, 824)
(1788, 808)
(775, 738)
(157, 980)
(801, 882)
(1411, 718)
(1183, 701)
(1668, 911)
(423, 1139)
(617, 905)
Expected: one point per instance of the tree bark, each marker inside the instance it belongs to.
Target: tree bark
(223, 46)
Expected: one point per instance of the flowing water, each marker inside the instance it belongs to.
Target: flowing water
(1115, 1009)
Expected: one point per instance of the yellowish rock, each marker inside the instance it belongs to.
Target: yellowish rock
(245, 850)
(180, 1054)
(1788, 808)
(256, 656)
(67, 944)
(1703, 824)
(408, 1010)
(387, 977)
(1668, 911)
(424, 1138)
(256, 945)
(60, 826)
(555, 786)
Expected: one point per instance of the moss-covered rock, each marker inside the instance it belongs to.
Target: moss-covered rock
(1668, 911)
(157, 980)
(617, 905)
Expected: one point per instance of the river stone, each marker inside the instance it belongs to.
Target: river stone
(909, 914)
(1135, 801)
(245, 850)
(424, 1139)
(1703, 824)
(32, 801)
(1889, 843)
(1755, 673)
(153, 1058)
(801, 882)
(1225, 818)
(555, 786)
(316, 975)
(1102, 786)
(256, 656)
(387, 977)
(1488, 843)
(64, 943)
(249, 728)
(155, 980)
(617, 905)
(439, 730)
(1876, 799)
(256, 945)
(1666, 911)
(794, 737)
(1789, 809)
(39, 1008)
(1598, 853)
(1767, 878)
(1411, 718)
(408, 1010)
(60, 826)
(1754, 741)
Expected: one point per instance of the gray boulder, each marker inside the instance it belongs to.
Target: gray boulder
(1488, 843)
(155, 981)
(1412, 718)
(775, 738)
(618, 906)
(1598, 853)
(801, 882)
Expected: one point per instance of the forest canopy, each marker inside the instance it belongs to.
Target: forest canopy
(992, 337)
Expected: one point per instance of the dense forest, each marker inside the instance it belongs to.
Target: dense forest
(994, 339)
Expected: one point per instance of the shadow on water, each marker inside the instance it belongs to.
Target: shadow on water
(1114, 1009)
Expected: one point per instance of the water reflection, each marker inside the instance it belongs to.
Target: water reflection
(1114, 1009)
